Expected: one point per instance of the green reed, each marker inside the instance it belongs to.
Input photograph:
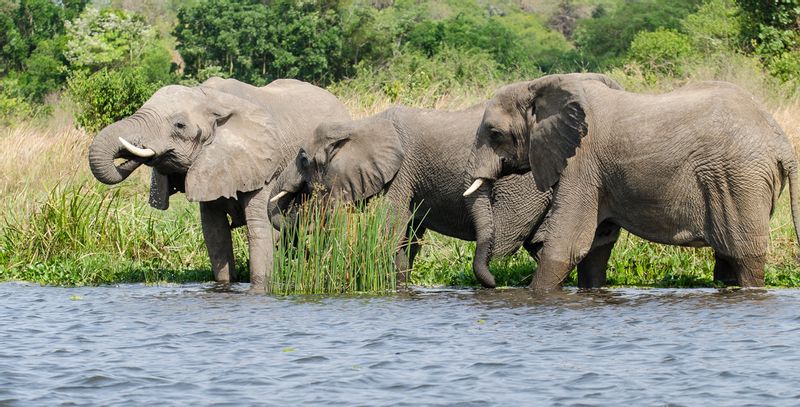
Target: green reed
(336, 247)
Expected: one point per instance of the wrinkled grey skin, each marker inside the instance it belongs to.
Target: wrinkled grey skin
(222, 143)
(700, 166)
(418, 158)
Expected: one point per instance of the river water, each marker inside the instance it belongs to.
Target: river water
(199, 345)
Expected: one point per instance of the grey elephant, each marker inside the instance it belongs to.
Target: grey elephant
(222, 143)
(418, 158)
(703, 165)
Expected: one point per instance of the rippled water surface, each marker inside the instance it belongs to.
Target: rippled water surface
(190, 345)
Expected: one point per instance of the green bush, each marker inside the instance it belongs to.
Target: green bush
(14, 109)
(715, 27)
(46, 70)
(605, 40)
(107, 96)
(664, 52)
(773, 31)
(414, 78)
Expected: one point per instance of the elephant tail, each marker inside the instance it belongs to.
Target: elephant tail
(790, 168)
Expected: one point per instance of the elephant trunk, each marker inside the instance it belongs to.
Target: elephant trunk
(106, 147)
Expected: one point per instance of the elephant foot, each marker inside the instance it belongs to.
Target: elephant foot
(744, 272)
(549, 276)
(592, 269)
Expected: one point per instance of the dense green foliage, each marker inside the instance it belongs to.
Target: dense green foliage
(49, 44)
(107, 96)
(401, 48)
(258, 42)
(773, 28)
(605, 39)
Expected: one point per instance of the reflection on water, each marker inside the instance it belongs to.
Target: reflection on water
(203, 344)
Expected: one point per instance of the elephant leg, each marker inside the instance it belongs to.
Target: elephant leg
(723, 271)
(592, 269)
(533, 249)
(260, 239)
(217, 235)
(563, 250)
(415, 246)
(744, 272)
(409, 248)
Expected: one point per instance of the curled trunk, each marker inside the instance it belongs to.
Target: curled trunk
(106, 148)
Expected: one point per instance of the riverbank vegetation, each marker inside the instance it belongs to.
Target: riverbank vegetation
(69, 68)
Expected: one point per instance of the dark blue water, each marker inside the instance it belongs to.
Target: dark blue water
(190, 345)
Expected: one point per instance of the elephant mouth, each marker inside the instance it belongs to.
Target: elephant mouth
(129, 157)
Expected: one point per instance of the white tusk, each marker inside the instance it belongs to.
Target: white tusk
(474, 187)
(139, 152)
(279, 196)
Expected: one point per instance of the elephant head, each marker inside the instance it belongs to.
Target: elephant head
(349, 161)
(536, 124)
(198, 140)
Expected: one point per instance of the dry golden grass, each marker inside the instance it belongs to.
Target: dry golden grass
(788, 117)
(33, 160)
(34, 157)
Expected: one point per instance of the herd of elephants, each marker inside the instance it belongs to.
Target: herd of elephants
(556, 165)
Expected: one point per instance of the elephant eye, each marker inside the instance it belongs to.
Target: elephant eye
(180, 125)
(336, 146)
(495, 135)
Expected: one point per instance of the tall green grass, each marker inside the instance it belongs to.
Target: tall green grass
(337, 247)
(88, 234)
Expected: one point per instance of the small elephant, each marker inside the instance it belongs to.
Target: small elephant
(703, 165)
(222, 143)
(418, 158)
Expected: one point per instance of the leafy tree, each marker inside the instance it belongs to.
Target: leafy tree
(258, 42)
(606, 39)
(715, 27)
(110, 38)
(107, 96)
(773, 30)
(662, 51)
(46, 69)
(493, 35)
(24, 24)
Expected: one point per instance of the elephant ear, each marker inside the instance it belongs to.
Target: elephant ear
(362, 157)
(559, 123)
(241, 155)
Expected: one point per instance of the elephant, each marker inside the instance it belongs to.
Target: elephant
(222, 143)
(702, 165)
(417, 158)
